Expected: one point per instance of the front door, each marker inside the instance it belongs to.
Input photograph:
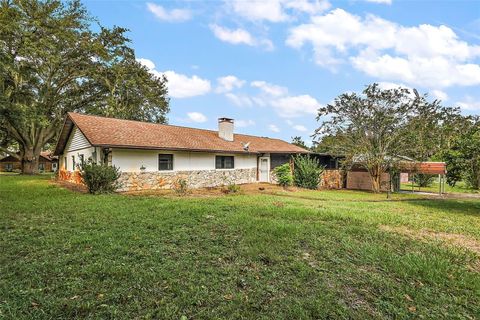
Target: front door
(264, 169)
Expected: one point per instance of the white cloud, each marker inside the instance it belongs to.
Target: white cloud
(469, 104)
(440, 95)
(273, 128)
(310, 7)
(173, 15)
(391, 85)
(278, 98)
(182, 86)
(380, 1)
(300, 128)
(179, 85)
(269, 88)
(276, 10)
(244, 123)
(228, 83)
(239, 36)
(423, 55)
(269, 10)
(296, 106)
(239, 100)
(196, 117)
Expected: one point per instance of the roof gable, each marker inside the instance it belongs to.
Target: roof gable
(111, 132)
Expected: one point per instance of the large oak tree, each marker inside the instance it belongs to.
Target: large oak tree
(55, 58)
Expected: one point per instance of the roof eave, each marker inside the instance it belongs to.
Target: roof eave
(193, 150)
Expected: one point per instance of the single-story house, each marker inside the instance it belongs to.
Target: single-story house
(46, 163)
(154, 156)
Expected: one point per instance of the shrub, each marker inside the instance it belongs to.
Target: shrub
(229, 185)
(306, 172)
(180, 186)
(233, 188)
(423, 180)
(284, 175)
(99, 178)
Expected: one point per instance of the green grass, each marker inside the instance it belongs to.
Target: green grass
(292, 255)
(460, 187)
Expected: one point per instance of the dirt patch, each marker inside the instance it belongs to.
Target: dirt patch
(458, 240)
(250, 188)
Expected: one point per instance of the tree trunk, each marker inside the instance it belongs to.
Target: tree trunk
(376, 177)
(376, 184)
(30, 160)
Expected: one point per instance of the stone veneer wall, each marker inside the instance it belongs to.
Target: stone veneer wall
(331, 179)
(136, 181)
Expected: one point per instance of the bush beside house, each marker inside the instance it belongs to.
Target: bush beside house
(99, 178)
(284, 175)
(307, 172)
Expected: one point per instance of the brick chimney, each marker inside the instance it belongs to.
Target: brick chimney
(225, 128)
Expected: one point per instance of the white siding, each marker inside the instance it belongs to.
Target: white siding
(76, 141)
(129, 160)
(76, 145)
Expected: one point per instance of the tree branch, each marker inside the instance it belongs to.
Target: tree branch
(13, 154)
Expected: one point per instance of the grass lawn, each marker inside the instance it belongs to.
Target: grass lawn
(460, 187)
(289, 255)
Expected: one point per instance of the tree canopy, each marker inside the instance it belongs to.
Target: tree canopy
(463, 156)
(374, 129)
(298, 141)
(53, 62)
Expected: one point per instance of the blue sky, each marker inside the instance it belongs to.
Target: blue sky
(270, 64)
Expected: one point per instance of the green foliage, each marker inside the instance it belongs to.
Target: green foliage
(471, 175)
(373, 128)
(233, 187)
(99, 178)
(180, 186)
(298, 141)
(284, 175)
(455, 165)
(307, 172)
(431, 129)
(423, 180)
(52, 62)
(325, 144)
(463, 157)
(229, 185)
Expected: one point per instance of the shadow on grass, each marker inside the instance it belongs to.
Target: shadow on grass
(455, 206)
(295, 196)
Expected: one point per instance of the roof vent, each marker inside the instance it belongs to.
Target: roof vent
(225, 128)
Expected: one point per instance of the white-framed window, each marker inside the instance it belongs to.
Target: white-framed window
(224, 162)
(165, 162)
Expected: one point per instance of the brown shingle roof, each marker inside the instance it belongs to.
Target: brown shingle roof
(111, 132)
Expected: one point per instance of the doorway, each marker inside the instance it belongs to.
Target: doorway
(264, 169)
